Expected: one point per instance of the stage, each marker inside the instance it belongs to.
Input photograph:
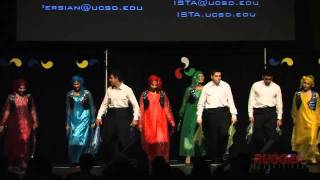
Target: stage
(64, 170)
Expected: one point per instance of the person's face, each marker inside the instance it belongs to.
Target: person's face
(154, 84)
(267, 80)
(113, 80)
(306, 85)
(201, 78)
(216, 77)
(76, 86)
(22, 90)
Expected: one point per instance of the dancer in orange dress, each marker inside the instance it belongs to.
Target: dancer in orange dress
(155, 116)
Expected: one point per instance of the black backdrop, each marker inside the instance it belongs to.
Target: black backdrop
(241, 63)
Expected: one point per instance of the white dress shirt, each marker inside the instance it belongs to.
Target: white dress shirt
(215, 96)
(119, 98)
(262, 96)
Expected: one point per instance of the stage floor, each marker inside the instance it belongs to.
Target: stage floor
(64, 170)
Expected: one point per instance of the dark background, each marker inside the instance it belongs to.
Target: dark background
(157, 22)
(241, 63)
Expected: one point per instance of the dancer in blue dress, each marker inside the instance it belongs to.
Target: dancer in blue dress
(80, 119)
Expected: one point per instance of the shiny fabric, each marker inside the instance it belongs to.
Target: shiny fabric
(188, 114)
(95, 141)
(19, 124)
(191, 137)
(153, 125)
(306, 125)
(79, 120)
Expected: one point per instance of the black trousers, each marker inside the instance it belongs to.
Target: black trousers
(216, 122)
(116, 128)
(264, 128)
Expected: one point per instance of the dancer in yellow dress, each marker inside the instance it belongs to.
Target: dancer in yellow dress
(306, 119)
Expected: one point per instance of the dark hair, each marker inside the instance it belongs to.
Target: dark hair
(215, 71)
(116, 74)
(267, 72)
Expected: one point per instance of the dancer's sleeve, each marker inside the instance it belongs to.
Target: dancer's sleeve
(104, 106)
(318, 109)
(92, 108)
(294, 109)
(134, 103)
(6, 112)
(279, 105)
(201, 103)
(184, 102)
(34, 113)
(68, 109)
(168, 111)
(251, 101)
(141, 111)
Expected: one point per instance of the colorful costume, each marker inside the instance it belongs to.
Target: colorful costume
(306, 119)
(20, 118)
(80, 116)
(188, 114)
(155, 116)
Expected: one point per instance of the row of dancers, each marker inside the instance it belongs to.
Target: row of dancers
(206, 114)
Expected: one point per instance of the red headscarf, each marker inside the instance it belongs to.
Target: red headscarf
(155, 78)
(17, 83)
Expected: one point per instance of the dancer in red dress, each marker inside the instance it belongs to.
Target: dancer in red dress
(155, 117)
(20, 117)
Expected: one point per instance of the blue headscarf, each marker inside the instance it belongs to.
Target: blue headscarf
(80, 80)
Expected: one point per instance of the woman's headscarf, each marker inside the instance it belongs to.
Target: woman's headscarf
(17, 83)
(195, 78)
(80, 80)
(155, 78)
(309, 79)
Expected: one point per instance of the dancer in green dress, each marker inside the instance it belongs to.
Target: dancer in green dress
(187, 124)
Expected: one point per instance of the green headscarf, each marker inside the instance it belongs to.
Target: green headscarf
(195, 78)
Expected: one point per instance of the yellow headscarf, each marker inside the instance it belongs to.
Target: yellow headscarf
(308, 78)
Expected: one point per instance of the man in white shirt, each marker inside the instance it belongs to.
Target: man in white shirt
(116, 124)
(265, 111)
(217, 109)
